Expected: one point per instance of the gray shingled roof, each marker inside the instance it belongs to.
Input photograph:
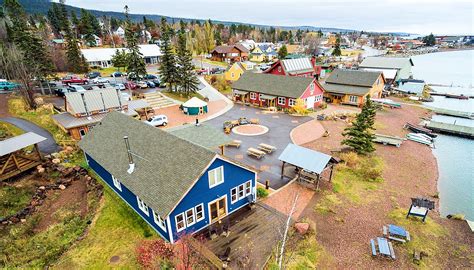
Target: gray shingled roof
(346, 89)
(353, 77)
(385, 62)
(166, 166)
(276, 85)
(203, 135)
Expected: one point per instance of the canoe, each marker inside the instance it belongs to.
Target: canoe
(419, 139)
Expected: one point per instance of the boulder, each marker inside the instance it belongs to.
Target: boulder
(22, 220)
(302, 228)
(42, 187)
(62, 187)
(56, 161)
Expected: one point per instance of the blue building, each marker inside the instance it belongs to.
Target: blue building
(177, 186)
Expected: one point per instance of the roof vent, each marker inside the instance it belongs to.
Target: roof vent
(85, 107)
(131, 164)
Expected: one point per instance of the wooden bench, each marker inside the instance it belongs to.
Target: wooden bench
(255, 152)
(235, 143)
(266, 148)
(254, 121)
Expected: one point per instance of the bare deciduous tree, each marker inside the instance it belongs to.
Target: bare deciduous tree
(311, 43)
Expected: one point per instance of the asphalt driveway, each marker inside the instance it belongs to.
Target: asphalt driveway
(280, 126)
(48, 146)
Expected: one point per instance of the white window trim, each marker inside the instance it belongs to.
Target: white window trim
(245, 193)
(116, 183)
(245, 188)
(159, 221)
(214, 171)
(253, 95)
(192, 215)
(281, 98)
(292, 102)
(176, 222)
(142, 205)
(236, 195)
(354, 97)
(202, 212)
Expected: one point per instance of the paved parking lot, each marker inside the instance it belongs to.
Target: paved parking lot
(280, 126)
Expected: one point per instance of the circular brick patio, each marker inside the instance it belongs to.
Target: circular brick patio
(250, 130)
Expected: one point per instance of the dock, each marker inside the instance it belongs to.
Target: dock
(452, 129)
(468, 115)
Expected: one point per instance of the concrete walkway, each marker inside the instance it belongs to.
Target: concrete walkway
(49, 146)
(214, 95)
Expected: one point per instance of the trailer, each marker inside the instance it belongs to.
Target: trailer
(388, 140)
(418, 129)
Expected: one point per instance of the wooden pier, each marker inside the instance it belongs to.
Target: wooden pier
(452, 129)
(454, 113)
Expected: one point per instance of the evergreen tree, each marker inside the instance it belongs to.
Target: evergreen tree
(359, 136)
(86, 28)
(119, 59)
(429, 40)
(53, 18)
(168, 72)
(187, 78)
(282, 52)
(337, 46)
(135, 62)
(74, 23)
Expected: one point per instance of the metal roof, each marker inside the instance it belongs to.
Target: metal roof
(95, 100)
(411, 87)
(387, 73)
(353, 77)
(166, 166)
(305, 158)
(67, 120)
(203, 135)
(19, 142)
(106, 54)
(297, 65)
(386, 62)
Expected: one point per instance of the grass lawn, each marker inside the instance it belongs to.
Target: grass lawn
(9, 130)
(181, 97)
(222, 64)
(13, 199)
(116, 232)
(105, 72)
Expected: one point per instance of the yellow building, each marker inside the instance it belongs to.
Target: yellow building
(257, 55)
(234, 72)
(345, 86)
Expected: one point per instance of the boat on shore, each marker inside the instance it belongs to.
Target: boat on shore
(418, 129)
(421, 138)
(461, 96)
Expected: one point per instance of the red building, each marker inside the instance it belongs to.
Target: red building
(267, 90)
(230, 54)
(301, 67)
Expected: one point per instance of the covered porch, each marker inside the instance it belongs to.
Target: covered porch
(245, 239)
(310, 167)
(14, 159)
(240, 96)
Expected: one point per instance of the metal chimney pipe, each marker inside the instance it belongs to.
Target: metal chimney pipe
(127, 144)
(103, 102)
(85, 105)
(119, 96)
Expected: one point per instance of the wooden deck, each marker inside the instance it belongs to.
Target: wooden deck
(16, 163)
(253, 236)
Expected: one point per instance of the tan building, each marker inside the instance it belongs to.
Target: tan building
(351, 87)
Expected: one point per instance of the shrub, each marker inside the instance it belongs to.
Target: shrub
(351, 159)
(370, 168)
(299, 108)
(155, 254)
(262, 192)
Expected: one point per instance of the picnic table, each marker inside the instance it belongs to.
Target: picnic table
(235, 143)
(383, 248)
(266, 148)
(396, 233)
(255, 152)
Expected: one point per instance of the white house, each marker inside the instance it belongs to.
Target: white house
(102, 57)
(120, 32)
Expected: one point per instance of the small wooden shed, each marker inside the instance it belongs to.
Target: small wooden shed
(13, 160)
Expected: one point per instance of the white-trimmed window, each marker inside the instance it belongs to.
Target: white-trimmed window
(260, 96)
(248, 188)
(353, 99)
(279, 68)
(292, 102)
(142, 205)
(180, 223)
(232, 75)
(116, 183)
(190, 220)
(281, 100)
(199, 211)
(241, 191)
(216, 176)
(233, 195)
(311, 88)
(253, 95)
(158, 220)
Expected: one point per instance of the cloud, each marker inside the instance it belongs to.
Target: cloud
(414, 16)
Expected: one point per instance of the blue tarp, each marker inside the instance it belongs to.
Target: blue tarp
(305, 158)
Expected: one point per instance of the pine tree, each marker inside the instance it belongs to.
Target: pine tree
(135, 63)
(282, 52)
(337, 46)
(187, 79)
(86, 28)
(359, 136)
(168, 71)
(119, 59)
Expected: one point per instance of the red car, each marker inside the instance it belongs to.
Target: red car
(131, 85)
(74, 79)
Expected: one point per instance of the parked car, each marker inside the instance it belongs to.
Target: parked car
(157, 82)
(6, 85)
(93, 74)
(100, 80)
(76, 88)
(120, 86)
(217, 70)
(150, 77)
(133, 76)
(157, 120)
(125, 95)
(150, 84)
(116, 74)
(74, 79)
(203, 71)
(142, 84)
(131, 85)
(61, 92)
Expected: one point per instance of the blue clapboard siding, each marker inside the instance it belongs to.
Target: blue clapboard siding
(126, 195)
(201, 193)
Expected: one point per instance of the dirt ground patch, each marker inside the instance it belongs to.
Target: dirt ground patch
(73, 198)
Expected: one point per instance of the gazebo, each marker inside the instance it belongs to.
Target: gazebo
(194, 106)
(309, 164)
(13, 160)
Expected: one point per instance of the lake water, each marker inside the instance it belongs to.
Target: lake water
(455, 155)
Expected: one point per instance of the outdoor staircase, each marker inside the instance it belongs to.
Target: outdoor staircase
(157, 100)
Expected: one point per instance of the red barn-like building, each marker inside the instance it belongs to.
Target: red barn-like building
(267, 90)
(301, 67)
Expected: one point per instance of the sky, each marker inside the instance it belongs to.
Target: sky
(412, 16)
